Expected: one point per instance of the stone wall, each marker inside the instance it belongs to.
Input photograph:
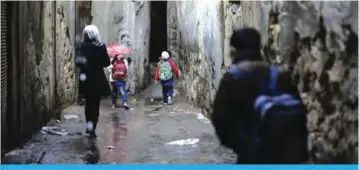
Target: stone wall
(39, 76)
(127, 22)
(172, 29)
(325, 58)
(316, 40)
(65, 64)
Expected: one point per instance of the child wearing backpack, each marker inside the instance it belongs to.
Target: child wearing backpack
(164, 72)
(118, 75)
(257, 111)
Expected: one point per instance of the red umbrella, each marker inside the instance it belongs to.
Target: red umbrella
(116, 49)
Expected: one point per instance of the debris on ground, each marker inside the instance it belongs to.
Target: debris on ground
(190, 141)
(140, 136)
(110, 147)
(53, 130)
(67, 117)
(154, 114)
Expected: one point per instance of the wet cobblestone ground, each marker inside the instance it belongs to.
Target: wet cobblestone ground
(139, 135)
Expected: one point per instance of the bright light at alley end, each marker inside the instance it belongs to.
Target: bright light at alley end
(179, 167)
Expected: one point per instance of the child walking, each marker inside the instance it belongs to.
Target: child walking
(118, 76)
(164, 72)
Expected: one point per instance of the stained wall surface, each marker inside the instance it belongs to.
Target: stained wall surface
(316, 40)
(41, 74)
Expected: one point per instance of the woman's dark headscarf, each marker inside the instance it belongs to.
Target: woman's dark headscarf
(247, 42)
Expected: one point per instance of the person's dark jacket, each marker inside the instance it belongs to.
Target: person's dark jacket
(233, 115)
(97, 58)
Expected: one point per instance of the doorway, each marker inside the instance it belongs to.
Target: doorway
(158, 34)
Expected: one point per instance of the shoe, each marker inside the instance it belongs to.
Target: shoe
(113, 106)
(126, 105)
(169, 100)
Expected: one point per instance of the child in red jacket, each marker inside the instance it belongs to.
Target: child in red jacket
(164, 72)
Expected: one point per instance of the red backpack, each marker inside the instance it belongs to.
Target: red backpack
(119, 70)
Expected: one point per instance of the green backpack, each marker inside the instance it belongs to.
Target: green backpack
(165, 71)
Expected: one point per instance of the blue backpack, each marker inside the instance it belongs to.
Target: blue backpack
(281, 131)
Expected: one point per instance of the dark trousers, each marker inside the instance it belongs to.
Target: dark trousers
(166, 91)
(92, 109)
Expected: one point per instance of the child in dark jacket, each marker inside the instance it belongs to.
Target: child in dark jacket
(258, 130)
(164, 73)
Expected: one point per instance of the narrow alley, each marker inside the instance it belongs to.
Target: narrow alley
(42, 111)
(148, 133)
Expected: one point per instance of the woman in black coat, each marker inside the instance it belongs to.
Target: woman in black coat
(91, 58)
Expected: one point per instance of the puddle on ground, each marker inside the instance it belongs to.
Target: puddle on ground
(93, 154)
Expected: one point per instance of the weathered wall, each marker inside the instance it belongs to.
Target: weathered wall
(35, 81)
(172, 29)
(127, 22)
(327, 71)
(317, 40)
(65, 65)
(197, 43)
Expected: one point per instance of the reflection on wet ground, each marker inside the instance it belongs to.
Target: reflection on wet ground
(93, 154)
(141, 135)
(117, 132)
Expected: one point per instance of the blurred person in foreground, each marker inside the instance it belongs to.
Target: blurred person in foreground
(92, 58)
(258, 112)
